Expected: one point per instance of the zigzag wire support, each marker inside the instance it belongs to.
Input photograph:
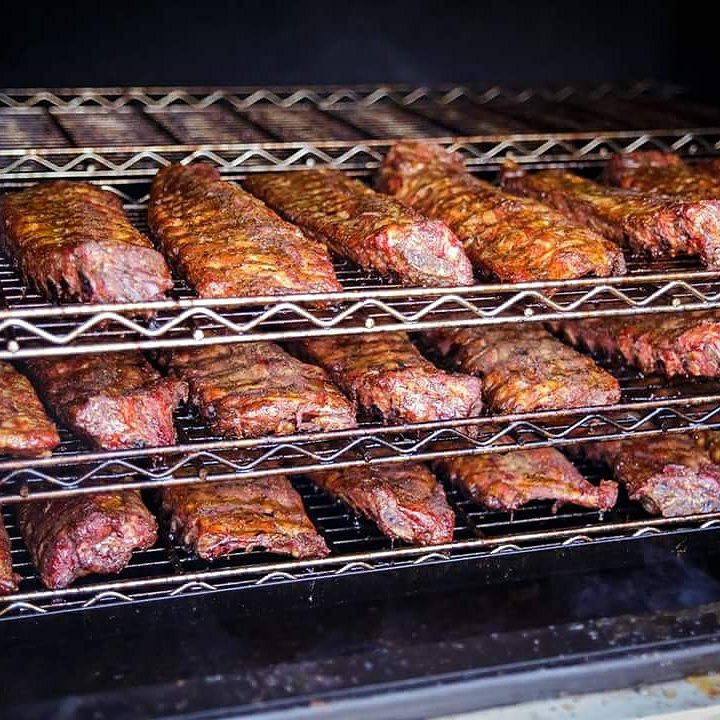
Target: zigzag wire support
(244, 98)
(223, 460)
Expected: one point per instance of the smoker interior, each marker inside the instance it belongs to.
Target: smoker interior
(119, 138)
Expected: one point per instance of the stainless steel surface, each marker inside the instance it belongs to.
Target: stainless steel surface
(120, 137)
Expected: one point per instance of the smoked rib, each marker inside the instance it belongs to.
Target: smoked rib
(669, 474)
(215, 519)
(255, 389)
(654, 225)
(682, 344)
(73, 241)
(514, 239)
(524, 368)
(25, 428)
(71, 537)
(405, 501)
(226, 242)
(385, 372)
(662, 174)
(371, 229)
(114, 400)
(506, 481)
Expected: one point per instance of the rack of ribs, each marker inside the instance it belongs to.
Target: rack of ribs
(654, 225)
(73, 241)
(671, 475)
(71, 537)
(227, 243)
(661, 173)
(114, 400)
(8, 579)
(215, 519)
(25, 429)
(506, 481)
(684, 344)
(385, 372)
(405, 501)
(371, 229)
(524, 368)
(514, 239)
(256, 389)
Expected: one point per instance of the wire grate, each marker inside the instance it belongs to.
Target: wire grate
(120, 137)
(649, 405)
(167, 570)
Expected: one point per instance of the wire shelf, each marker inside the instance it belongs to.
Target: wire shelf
(648, 406)
(31, 326)
(167, 571)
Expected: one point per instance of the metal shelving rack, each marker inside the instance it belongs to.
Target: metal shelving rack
(120, 137)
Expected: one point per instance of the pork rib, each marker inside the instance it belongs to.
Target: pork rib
(669, 474)
(76, 536)
(405, 501)
(514, 239)
(8, 579)
(373, 230)
(505, 481)
(524, 368)
(663, 174)
(686, 344)
(73, 241)
(227, 242)
(386, 372)
(255, 389)
(215, 519)
(655, 225)
(25, 428)
(114, 400)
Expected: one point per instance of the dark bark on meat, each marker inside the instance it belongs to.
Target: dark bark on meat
(686, 344)
(662, 174)
(514, 239)
(228, 243)
(712, 167)
(8, 579)
(508, 480)
(370, 229)
(386, 372)
(524, 368)
(669, 474)
(25, 429)
(73, 241)
(76, 536)
(114, 400)
(215, 519)
(405, 501)
(651, 224)
(255, 389)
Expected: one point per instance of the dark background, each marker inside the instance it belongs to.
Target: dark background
(272, 42)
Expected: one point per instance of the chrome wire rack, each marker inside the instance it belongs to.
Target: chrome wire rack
(120, 137)
(483, 538)
(31, 326)
(649, 406)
